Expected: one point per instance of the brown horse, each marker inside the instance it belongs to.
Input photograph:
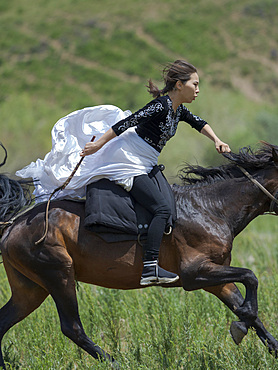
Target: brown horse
(213, 207)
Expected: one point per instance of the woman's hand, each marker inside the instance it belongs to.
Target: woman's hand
(93, 147)
(90, 148)
(222, 147)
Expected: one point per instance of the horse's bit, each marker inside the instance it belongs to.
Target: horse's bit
(274, 200)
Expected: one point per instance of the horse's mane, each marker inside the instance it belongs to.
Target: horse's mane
(246, 158)
(14, 195)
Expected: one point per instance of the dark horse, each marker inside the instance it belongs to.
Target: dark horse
(213, 206)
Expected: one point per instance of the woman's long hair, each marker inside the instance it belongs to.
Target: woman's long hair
(180, 70)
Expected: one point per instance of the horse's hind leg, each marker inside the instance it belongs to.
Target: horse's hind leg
(26, 297)
(230, 295)
(61, 286)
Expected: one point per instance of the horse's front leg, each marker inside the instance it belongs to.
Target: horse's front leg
(232, 298)
(203, 274)
(230, 295)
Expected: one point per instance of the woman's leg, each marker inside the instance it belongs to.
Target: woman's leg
(145, 192)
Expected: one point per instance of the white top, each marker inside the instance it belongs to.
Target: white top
(119, 160)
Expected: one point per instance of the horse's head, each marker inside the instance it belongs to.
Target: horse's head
(274, 202)
(275, 157)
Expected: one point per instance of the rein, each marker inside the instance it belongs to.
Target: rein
(274, 200)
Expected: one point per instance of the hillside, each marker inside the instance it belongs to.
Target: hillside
(57, 57)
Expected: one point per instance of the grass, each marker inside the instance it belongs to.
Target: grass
(155, 328)
(57, 57)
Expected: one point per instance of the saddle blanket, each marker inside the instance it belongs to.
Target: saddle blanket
(111, 211)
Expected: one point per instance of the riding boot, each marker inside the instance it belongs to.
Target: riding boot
(154, 274)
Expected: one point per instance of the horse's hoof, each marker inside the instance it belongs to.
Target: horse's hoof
(238, 330)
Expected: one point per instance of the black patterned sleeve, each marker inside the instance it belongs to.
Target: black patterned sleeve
(152, 110)
(194, 121)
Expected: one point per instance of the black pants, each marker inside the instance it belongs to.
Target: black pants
(147, 194)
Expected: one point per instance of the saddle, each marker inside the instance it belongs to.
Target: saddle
(113, 213)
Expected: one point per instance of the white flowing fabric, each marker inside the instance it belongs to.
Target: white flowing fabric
(119, 160)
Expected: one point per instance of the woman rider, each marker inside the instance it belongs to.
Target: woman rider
(149, 130)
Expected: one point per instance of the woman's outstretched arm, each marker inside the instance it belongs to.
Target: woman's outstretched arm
(220, 146)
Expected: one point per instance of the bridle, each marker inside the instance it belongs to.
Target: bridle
(274, 200)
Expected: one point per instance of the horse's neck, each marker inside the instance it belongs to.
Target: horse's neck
(235, 201)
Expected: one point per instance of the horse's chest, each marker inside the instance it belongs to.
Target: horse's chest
(217, 240)
(211, 238)
(220, 253)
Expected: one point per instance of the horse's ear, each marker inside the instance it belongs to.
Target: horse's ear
(275, 157)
